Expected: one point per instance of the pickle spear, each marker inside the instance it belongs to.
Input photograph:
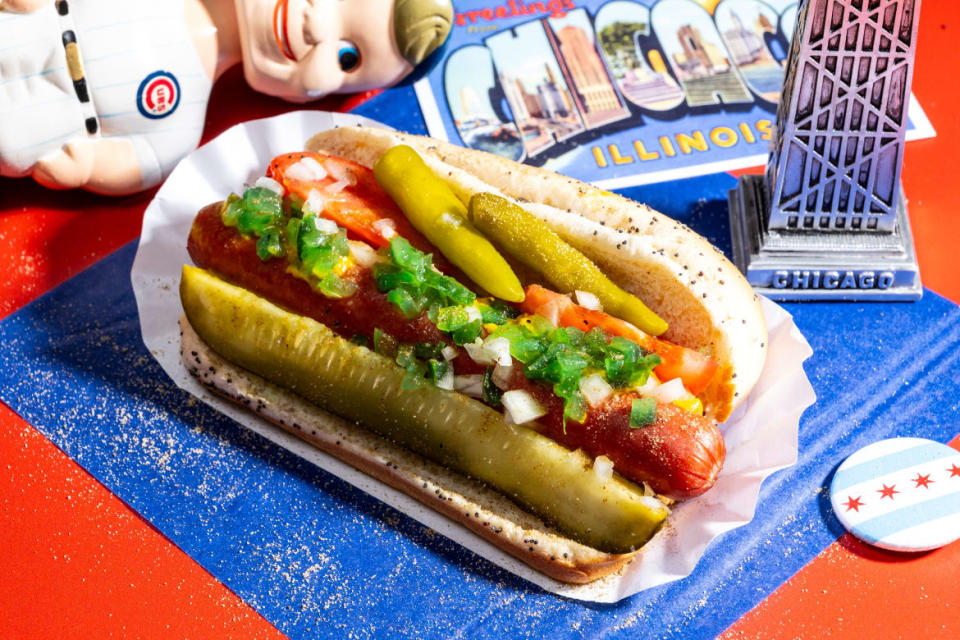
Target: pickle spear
(532, 242)
(452, 429)
(437, 213)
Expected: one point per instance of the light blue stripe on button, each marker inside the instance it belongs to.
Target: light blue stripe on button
(873, 469)
(876, 529)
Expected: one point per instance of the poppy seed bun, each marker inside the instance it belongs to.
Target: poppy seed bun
(675, 271)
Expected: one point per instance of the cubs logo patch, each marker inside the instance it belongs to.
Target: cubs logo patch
(158, 95)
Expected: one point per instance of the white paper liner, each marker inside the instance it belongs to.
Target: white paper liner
(761, 436)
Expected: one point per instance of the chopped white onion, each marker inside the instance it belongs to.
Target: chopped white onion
(649, 387)
(341, 173)
(471, 385)
(447, 380)
(325, 226)
(499, 350)
(473, 313)
(477, 353)
(449, 353)
(501, 376)
(595, 389)
(336, 187)
(588, 300)
(670, 391)
(316, 201)
(521, 406)
(386, 227)
(603, 467)
(306, 170)
(364, 254)
(269, 183)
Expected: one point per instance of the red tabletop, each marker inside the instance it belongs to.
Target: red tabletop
(77, 562)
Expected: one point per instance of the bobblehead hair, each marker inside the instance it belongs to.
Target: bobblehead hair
(420, 27)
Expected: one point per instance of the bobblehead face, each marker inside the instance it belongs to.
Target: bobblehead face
(301, 50)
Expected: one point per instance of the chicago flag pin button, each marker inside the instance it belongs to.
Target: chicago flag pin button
(901, 494)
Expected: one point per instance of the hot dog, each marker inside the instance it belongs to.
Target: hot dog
(579, 432)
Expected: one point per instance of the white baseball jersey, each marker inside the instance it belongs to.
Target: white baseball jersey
(141, 79)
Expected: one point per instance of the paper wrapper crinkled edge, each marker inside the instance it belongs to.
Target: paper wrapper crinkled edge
(761, 435)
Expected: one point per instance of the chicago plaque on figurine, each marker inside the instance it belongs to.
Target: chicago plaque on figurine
(828, 220)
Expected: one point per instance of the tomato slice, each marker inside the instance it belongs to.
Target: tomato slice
(692, 367)
(349, 195)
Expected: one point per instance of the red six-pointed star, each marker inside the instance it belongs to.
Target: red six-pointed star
(923, 481)
(853, 504)
(887, 492)
(954, 470)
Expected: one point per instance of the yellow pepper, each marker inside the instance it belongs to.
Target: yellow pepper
(438, 214)
(532, 242)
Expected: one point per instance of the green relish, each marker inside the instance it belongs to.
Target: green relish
(561, 356)
(558, 356)
(282, 228)
(319, 253)
(413, 285)
(457, 321)
(643, 412)
(384, 343)
(422, 361)
(492, 395)
(260, 213)
(496, 312)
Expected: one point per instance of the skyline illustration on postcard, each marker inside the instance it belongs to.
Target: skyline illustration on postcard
(620, 92)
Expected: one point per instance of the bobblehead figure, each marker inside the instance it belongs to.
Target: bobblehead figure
(108, 95)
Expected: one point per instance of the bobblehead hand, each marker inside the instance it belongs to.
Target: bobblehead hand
(108, 95)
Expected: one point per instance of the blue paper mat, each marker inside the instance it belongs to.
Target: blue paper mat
(319, 558)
